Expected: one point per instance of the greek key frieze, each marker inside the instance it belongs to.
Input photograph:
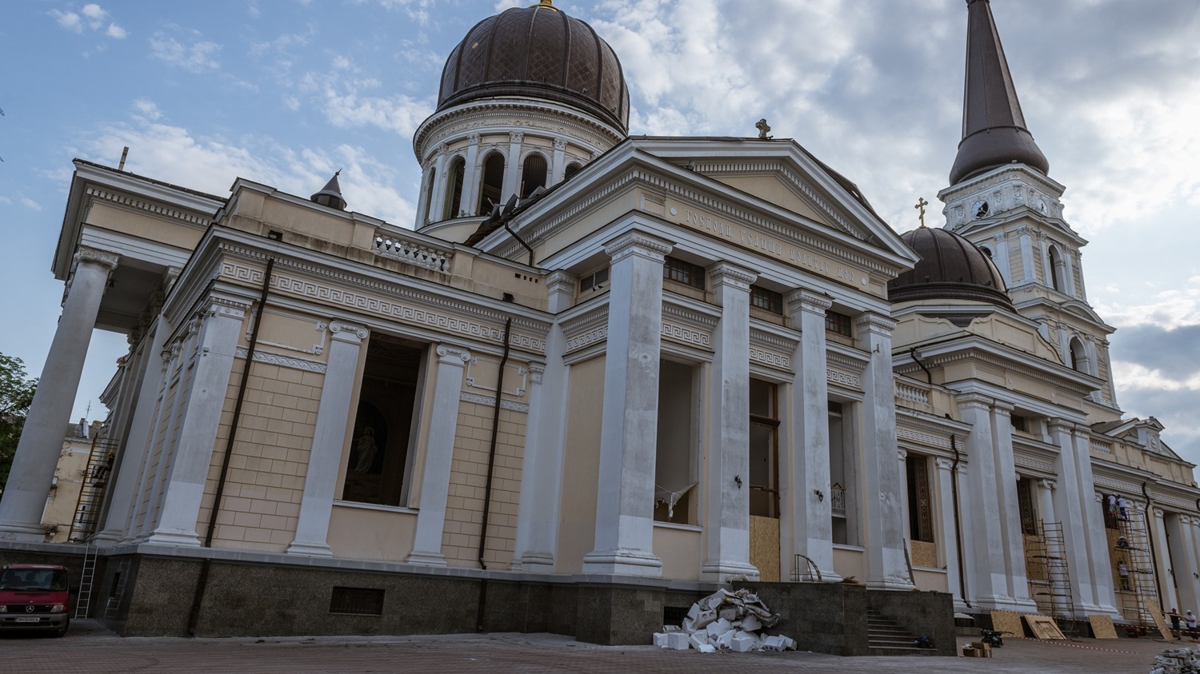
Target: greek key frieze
(770, 358)
(687, 335)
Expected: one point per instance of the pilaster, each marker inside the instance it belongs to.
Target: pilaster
(988, 577)
(329, 437)
(1068, 505)
(624, 537)
(439, 453)
(1009, 514)
(471, 179)
(1093, 522)
(947, 536)
(1162, 567)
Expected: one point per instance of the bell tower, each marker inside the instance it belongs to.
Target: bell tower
(1002, 199)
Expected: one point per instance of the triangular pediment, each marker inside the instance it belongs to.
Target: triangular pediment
(776, 189)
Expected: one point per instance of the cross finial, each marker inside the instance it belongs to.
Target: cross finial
(921, 204)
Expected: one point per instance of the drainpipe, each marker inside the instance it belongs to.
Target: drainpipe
(928, 375)
(202, 582)
(962, 571)
(487, 489)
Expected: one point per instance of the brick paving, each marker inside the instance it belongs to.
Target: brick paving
(90, 648)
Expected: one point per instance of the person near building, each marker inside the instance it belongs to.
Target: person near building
(1175, 618)
(1123, 572)
(1123, 507)
(1191, 624)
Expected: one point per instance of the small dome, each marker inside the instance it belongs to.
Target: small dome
(538, 52)
(951, 268)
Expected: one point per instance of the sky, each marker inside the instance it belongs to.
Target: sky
(285, 92)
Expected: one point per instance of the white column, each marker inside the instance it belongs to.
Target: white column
(1009, 514)
(1192, 579)
(188, 471)
(512, 168)
(1068, 506)
(42, 439)
(947, 536)
(1081, 289)
(987, 575)
(1162, 555)
(439, 453)
(727, 484)
(1184, 561)
(121, 499)
(884, 483)
(625, 485)
(1029, 274)
(472, 173)
(545, 444)
(329, 437)
(805, 464)
(558, 167)
(1045, 489)
(1001, 244)
(1093, 523)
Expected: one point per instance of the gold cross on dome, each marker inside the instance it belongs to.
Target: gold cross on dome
(921, 204)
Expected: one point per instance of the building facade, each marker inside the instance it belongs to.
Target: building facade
(646, 364)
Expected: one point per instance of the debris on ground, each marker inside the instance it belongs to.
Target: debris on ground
(1177, 661)
(725, 621)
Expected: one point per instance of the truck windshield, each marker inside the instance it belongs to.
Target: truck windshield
(43, 580)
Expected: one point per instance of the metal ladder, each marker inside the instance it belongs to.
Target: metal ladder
(92, 490)
(1049, 574)
(114, 600)
(1132, 546)
(86, 581)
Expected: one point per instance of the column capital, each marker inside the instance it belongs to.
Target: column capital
(809, 302)
(560, 143)
(973, 401)
(348, 332)
(731, 276)
(537, 371)
(1184, 519)
(1001, 407)
(1049, 484)
(225, 307)
(515, 137)
(944, 463)
(875, 323)
(448, 354)
(1158, 513)
(637, 243)
(561, 281)
(83, 254)
(1060, 425)
(902, 454)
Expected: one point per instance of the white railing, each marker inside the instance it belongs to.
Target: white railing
(837, 499)
(912, 394)
(1101, 447)
(412, 252)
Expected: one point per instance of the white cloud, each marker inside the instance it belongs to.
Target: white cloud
(347, 102)
(147, 109)
(30, 203)
(92, 17)
(198, 57)
(211, 164)
(1169, 308)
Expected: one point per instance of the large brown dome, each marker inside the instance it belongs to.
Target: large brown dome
(538, 52)
(951, 268)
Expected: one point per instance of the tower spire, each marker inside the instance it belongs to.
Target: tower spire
(994, 132)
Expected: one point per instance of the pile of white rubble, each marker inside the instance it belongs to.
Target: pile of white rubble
(725, 621)
(1177, 661)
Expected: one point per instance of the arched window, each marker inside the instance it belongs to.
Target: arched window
(429, 192)
(1055, 275)
(572, 168)
(454, 188)
(1078, 356)
(492, 182)
(533, 175)
(986, 251)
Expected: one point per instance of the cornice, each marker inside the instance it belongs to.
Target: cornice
(579, 122)
(147, 206)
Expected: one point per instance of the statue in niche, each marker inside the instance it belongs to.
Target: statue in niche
(365, 450)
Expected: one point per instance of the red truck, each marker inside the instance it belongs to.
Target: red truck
(35, 597)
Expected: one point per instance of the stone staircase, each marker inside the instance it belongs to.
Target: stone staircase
(885, 637)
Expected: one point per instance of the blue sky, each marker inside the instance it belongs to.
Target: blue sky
(287, 91)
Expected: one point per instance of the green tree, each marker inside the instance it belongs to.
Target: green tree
(16, 394)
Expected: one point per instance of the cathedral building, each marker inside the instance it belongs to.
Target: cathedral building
(599, 376)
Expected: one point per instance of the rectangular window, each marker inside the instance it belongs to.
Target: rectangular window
(838, 324)
(686, 273)
(1020, 423)
(674, 466)
(920, 503)
(356, 601)
(767, 300)
(594, 281)
(1025, 504)
(764, 450)
(842, 475)
(383, 426)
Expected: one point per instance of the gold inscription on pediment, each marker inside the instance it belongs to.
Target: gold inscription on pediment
(768, 245)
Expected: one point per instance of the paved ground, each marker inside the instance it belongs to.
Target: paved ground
(90, 648)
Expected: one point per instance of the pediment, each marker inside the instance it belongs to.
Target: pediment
(775, 189)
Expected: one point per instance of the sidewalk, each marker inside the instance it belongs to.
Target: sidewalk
(90, 648)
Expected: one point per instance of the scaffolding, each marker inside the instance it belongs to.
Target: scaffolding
(1049, 574)
(1134, 569)
(96, 477)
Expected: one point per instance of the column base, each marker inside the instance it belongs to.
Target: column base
(22, 533)
(622, 563)
(728, 571)
(182, 539)
(310, 549)
(534, 562)
(425, 558)
(1004, 603)
(890, 583)
(108, 538)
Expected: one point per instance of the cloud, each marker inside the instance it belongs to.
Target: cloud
(417, 10)
(211, 163)
(147, 109)
(29, 203)
(92, 17)
(198, 57)
(349, 102)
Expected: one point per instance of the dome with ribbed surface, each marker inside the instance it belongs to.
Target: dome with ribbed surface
(951, 268)
(537, 52)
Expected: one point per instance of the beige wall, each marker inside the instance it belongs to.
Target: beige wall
(366, 532)
(581, 465)
(679, 550)
(848, 562)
